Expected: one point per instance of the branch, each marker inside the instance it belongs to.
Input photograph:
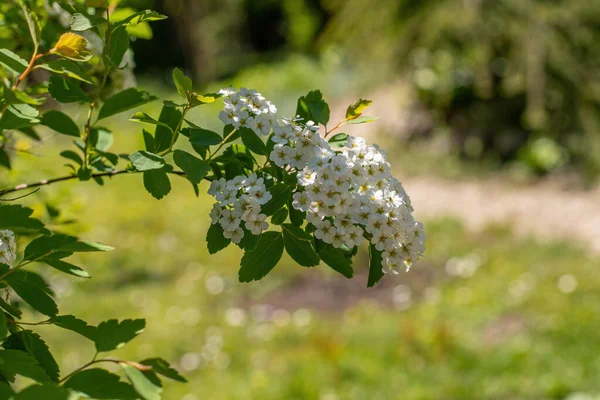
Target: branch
(45, 182)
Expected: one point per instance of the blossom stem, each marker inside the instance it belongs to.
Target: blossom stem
(221, 145)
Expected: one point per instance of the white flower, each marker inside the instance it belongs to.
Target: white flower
(235, 235)
(280, 155)
(257, 224)
(8, 248)
(215, 213)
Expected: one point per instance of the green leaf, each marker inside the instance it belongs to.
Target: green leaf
(142, 16)
(144, 386)
(18, 219)
(46, 391)
(65, 267)
(281, 194)
(112, 334)
(157, 183)
(356, 109)
(12, 61)
(257, 263)
(66, 67)
(33, 344)
(28, 286)
(362, 119)
(215, 240)
(76, 325)
(123, 101)
(60, 122)
(182, 83)
(252, 141)
(300, 246)
(65, 90)
(16, 362)
(195, 169)
(12, 310)
(6, 392)
(297, 217)
(313, 107)
(119, 43)
(3, 326)
(19, 116)
(80, 22)
(46, 245)
(148, 140)
(280, 216)
(338, 259)
(101, 139)
(339, 140)
(145, 161)
(163, 368)
(144, 118)
(32, 23)
(203, 137)
(169, 118)
(100, 384)
(375, 266)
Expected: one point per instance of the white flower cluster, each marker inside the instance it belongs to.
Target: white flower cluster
(239, 200)
(8, 248)
(247, 108)
(348, 194)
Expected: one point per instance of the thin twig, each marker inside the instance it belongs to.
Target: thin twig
(20, 197)
(45, 182)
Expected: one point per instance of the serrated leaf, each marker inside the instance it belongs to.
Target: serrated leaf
(18, 219)
(32, 23)
(375, 266)
(313, 107)
(215, 240)
(338, 259)
(100, 384)
(45, 391)
(76, 325)
(157, 183)
(362, 120)
(46, 245)
(60, 122)
(252, 141)
(123, 101)
(203, 137)
(145, 161)
(65, 90)
(112, 334)
(12, 61)
(119, 43)
(163, 368)
(194, 168)
(6, 392)
(144, 386)
(169, 117)
(257, 263)
(28, 286)
(281, 194)
(182, 83)
(16, 362)
(300, 246)
(9, 308)
(356, 109)
(33, 344)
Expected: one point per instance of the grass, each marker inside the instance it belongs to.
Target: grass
(484, 316)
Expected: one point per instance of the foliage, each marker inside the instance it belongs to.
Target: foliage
(506, 77)
(68, 56)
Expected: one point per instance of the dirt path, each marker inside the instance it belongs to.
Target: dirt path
(543, 210)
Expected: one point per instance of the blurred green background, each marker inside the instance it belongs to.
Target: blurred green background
(489, 111)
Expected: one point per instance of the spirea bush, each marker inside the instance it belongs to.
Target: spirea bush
(281, 184)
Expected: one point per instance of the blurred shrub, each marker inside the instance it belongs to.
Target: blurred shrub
(500, 74)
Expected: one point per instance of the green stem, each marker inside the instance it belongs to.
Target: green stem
(89, 364)
(221, 145)
(176, 131)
